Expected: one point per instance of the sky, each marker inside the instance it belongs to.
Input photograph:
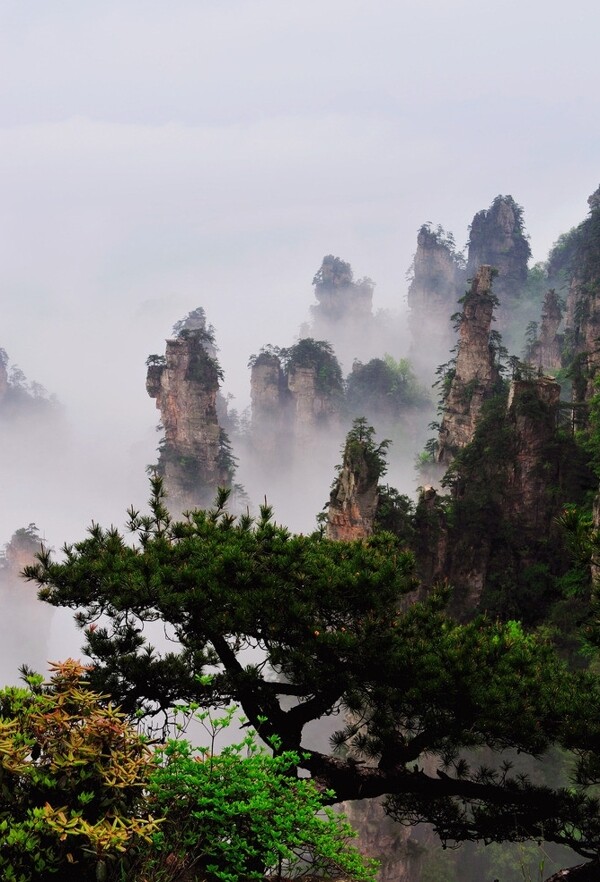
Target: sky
(156, 157)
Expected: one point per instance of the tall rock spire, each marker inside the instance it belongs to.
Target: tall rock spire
(476, 373)
(438, 280)
(354, 496)
(498, 238)
(194, 456)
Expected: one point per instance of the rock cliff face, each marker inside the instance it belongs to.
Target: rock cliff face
(432, 537)
(438, 282)
(25, 621)
(3, 377)
(475, 374)
(271, 408)
(507, 488)
(351, 515)
(354, 497)
(267, 386)
(185, 384)
(339, 297)
(498, 238)
(439, 275)
(378, 836)
(595, 562)
(583, 301)
(313, 406)
(20, 551)
(22, 398)
(296, 393)
(532, 415)
(546, 353)
(343, 313)
(522, 499)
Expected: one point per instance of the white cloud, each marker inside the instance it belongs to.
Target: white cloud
(156, 157)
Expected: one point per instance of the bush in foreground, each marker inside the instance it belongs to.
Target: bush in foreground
(83, 797)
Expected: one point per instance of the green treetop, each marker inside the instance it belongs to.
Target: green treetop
(332, 629)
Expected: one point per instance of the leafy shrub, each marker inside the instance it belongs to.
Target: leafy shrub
(383, 386)
(72, 771)
(306, 353)
(82, 797)
(243, 814)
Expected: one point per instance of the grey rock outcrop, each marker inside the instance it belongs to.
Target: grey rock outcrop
(498, 239)
(296, 393)
(339, 297)
(505, 502)
(476, 374)
(185, 384)
(354, 497)
(438, 280)
(3, 377)
(532, 413)
(546, 352)
(582, 318)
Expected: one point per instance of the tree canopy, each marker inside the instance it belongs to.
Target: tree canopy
(383, 386)
(336, 628)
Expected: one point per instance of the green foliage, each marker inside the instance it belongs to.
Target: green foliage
(317, 354)
(436, 237)
(562, 258)
(577, 256)
(195, 322)
(395, 513)
(537, 283)
(366, 460)
(383, 386)
(333, 631)
(498, 351)
(22, 395)
(30, 534)
(589, 437)
(268, 354)
(25, 540)
(335, 289)
(202, 367)
(71, 773)
(361, 455)
(306, 353)
(527, 570)
(240, 813)
(210, 572)
(333, 273)
(445, 374)
(444, 239)
(439, 866)
(531, 337)
(156, 361)
(83, 798)
(479, 465)
(583, 540)
(520, 240)
(227, 461)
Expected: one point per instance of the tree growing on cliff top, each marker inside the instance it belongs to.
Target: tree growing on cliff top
(332, 630)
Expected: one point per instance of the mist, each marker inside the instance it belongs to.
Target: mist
(158, 158)
(102, 253)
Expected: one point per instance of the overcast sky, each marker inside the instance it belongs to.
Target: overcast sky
(157, 156)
